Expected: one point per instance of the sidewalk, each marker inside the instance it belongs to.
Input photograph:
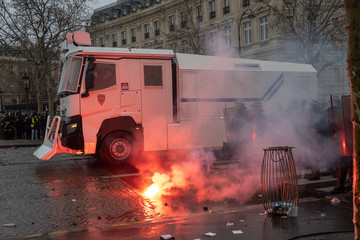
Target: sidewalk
(19, 143)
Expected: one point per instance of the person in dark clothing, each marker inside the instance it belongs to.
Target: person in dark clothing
(19, 125)
(42, 124)
(27, 126)
(317, 126)
(345, 167)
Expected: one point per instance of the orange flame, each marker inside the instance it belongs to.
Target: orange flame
(152, 191)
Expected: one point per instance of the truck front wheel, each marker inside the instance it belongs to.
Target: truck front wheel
(116, 148)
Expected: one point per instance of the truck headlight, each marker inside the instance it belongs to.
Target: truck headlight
(71, 128)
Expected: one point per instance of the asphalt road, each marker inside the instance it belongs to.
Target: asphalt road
(73, 197)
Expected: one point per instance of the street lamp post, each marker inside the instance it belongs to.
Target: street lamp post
(1, 102)
(26, 82)
(250, 15)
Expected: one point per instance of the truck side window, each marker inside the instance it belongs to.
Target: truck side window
(153, 76)
(104, 76)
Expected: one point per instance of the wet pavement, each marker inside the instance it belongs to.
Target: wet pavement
(79, 198)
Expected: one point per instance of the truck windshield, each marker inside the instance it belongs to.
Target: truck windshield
(70, 75)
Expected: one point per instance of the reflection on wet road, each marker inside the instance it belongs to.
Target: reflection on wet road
(79, 194)
(65, 194)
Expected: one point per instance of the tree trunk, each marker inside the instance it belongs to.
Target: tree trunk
(352, 8)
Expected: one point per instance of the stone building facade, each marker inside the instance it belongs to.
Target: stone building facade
(213, 27)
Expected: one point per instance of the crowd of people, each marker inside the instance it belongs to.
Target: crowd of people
(21, 125)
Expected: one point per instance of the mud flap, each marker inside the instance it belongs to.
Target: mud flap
(52, 141)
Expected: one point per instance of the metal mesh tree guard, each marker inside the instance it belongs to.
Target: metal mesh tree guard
(279, 186)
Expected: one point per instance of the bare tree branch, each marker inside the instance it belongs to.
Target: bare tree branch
(36, 28)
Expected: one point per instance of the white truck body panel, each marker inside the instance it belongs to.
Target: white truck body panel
(208, 84)
(156, 107)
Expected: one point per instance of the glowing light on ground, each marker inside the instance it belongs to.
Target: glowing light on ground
(152, 191)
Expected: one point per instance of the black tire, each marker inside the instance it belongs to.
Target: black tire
(116, 148)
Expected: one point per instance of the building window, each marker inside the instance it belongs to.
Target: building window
(264, 30)
(183, 20)
(247, 32)
(153, 76)
(146, 31)
(157, 28)
(185, 46)
(212, 9)
(212, 40)
(246, 3)
(201, 42)
(133, 35)
(227, 35)
(102, 42)
(172, 23)
(123, 38)
(12, 87)
(103, 18)
(11, 69)
(226, 6)
(199, 17)
(337, 75)
(114, 40)
(147, 3)
(173, 46)
(93, 42)
(124, 12)
(114, 14)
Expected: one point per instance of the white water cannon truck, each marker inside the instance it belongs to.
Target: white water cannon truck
(116, 102)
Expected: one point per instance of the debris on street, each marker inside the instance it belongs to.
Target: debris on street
(9, 225)
(230, 224)
(335, 201)
(166, 237)
(210, 234)
(237, 232)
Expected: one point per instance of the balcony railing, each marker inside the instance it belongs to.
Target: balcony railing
(114, 44)
(226, 9)
(123, 41)
(172, 27)
(146, 35)
(212, 14)
(133, 39)
(157, 32)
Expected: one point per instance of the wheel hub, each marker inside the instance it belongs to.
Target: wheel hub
(119, 149)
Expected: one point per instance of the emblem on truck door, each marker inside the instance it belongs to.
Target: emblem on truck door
(101, 98)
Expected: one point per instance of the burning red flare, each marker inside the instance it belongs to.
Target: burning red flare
(152, 191)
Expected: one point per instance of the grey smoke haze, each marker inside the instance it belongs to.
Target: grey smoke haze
(281, 123)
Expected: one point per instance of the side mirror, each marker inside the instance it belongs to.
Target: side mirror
(89, 77)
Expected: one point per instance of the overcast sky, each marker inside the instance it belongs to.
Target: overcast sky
(101, 3)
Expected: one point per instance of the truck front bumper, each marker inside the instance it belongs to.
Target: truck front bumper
(52, 141)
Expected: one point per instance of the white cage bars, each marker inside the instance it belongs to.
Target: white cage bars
(279, 186)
